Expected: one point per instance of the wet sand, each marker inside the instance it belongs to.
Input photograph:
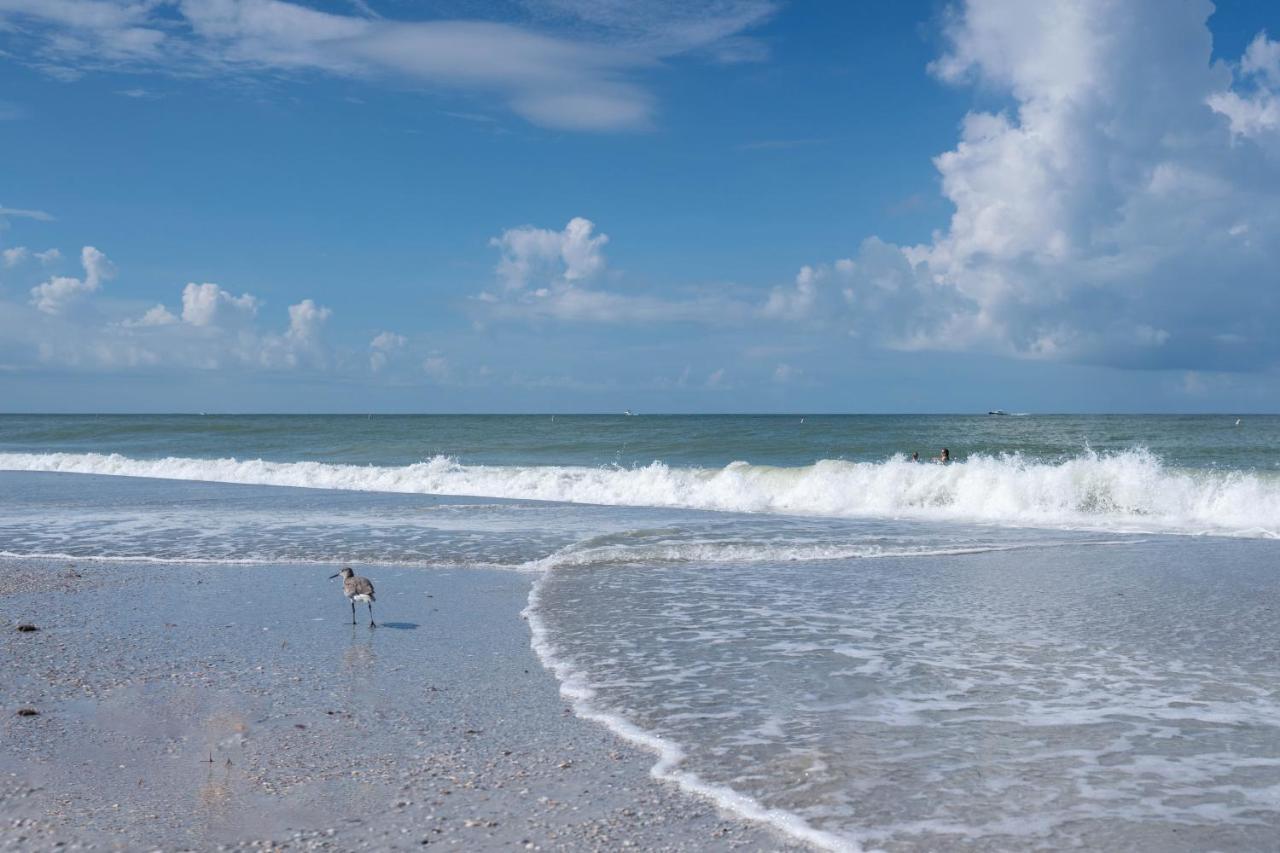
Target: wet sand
(203, 707)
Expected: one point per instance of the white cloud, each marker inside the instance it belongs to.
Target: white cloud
(216, 330)
(306, 319)
(796, 302)
(574, 72)
(1256, 113)
(23, 213)
(1124, 211)
(56, 294)
(382, 345)
(48, 256)
(15, 256)
(209, 305)
(549, 275)
(387, 341)
(571, 255)
(156, 316)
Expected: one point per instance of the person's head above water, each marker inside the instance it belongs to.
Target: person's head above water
(946, 455)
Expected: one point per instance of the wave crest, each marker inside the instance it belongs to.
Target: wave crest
(1127, 491)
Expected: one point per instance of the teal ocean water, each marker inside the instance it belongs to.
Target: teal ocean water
(1196, 441)
(1065, 637)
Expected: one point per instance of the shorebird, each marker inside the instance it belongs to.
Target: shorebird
(356, 589)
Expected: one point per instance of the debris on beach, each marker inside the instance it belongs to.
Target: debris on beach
(27, 627)
(28, 712)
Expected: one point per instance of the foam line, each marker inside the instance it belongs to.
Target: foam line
(1131, 491)
(575, 687)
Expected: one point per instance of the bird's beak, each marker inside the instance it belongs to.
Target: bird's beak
(334, 575)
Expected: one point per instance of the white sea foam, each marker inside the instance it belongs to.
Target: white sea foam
(575, 687)
(580, 554)
(1129, 491)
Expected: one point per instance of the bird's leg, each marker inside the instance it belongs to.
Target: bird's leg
(372, 624)
(353, 611)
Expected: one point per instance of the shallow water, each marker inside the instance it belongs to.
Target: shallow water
(1022, 649)
(1095, 695)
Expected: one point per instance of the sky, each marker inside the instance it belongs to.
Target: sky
(597, 205)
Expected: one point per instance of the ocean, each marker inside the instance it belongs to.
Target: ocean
(1065, 637)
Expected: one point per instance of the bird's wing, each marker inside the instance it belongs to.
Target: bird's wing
(364, 587)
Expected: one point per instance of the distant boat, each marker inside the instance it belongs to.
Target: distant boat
(1237, 422)
(997, 412)
(629, 413)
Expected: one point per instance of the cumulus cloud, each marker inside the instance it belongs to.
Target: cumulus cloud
(213, 330)
(1125, 210)
(575, 71)
(1255, 112)
(573, 254)
(548, 274)
(48, 256)
(15, 256)
(382, 345)
(56, 294)
(156, 316)
(306, 319)
(208, 305)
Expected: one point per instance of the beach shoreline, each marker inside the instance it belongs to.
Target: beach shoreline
(203, 706)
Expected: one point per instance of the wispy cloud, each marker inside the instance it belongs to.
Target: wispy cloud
(572, 65)
(138, 94)
(23, 213)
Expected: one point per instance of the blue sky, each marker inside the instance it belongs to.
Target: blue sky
(555, 205)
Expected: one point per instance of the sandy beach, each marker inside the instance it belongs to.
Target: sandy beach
(199, 706)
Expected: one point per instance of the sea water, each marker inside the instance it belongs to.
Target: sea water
(1067, 637)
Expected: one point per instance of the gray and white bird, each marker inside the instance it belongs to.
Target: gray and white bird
(356, 589)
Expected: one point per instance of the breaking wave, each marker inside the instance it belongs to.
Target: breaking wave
(1132, 491)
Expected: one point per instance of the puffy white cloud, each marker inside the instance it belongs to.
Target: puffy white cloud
(549, 274)
(54, 295)
(1126, 211)
(570, 255)
(48, 256)
(387, 341)
(215, 329)
(306, 319)
(15, 256)
(208, 305)
(1257, 113)
(571, 73)
(156, 315)
(382, 345)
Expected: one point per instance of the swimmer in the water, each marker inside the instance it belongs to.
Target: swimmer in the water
(945, 457)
